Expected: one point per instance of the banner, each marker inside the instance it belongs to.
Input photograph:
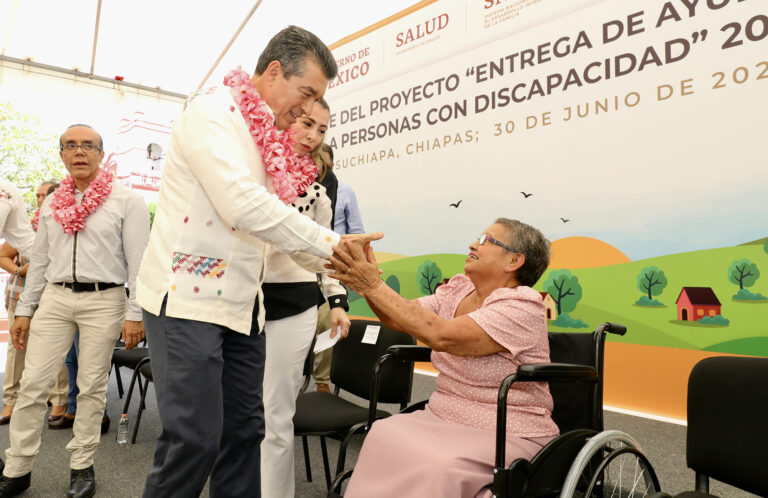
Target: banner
(631, 133)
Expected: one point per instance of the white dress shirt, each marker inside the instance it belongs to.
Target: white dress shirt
(216, 213)
(108, 250)
(14, 222)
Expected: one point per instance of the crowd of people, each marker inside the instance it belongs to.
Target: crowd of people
(230, 286)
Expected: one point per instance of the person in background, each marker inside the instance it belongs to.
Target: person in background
(291, 298)
(90, 240)
(14, 222)
(17, 265)
(346, 220)
(347, 217)
(481, 325)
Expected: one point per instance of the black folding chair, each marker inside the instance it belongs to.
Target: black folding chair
(727, 430)
(122, 357)
(142, 369)
(354, 364)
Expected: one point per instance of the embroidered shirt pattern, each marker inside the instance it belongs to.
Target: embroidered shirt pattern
(202, 266)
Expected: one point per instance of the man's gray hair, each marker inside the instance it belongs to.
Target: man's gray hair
(101, 140)
(291, 47)
(532, 244)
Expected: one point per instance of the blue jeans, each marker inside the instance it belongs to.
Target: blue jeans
(71, 363)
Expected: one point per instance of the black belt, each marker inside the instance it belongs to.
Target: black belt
(87, 286)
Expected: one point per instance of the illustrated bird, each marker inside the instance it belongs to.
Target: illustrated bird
(526, 195)
(455, 204)
(564, 220)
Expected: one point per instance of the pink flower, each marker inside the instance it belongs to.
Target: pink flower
(71, 216)
(290, 175)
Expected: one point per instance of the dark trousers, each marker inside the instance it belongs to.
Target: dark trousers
(208, 381)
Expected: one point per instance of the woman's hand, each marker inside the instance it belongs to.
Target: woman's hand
(356, 267)
(23, 270)
(339, 322)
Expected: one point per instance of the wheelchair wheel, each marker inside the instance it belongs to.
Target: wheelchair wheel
(611, 464)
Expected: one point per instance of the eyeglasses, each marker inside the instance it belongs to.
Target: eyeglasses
(70, 147)
(484, 237)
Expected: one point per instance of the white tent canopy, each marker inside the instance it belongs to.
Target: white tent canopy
(170, 44)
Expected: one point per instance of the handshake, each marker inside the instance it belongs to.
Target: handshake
(354, 264)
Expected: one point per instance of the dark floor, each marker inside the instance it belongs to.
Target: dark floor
(121, 469)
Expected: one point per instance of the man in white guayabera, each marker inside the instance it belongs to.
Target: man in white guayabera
(228, 174)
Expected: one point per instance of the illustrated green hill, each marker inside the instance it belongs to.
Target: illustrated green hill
(609, 294)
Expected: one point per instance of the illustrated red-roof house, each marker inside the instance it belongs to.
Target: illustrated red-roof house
(694, 303)
(550, 305)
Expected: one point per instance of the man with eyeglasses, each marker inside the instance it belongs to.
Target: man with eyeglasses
(90, 239)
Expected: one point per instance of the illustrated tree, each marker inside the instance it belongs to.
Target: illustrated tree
(394, 283)
(428, 277)
(651, 281)
(743, 273)
(565, 289)
(765, 246)
(28, 154)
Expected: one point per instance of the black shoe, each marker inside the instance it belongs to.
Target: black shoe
(13, 486)
(105, 424)
(82, 483)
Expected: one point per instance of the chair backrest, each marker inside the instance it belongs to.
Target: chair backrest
(728, 421)
(353, 362)
(577, 405)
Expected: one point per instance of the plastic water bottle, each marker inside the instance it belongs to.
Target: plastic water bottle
(122, 429)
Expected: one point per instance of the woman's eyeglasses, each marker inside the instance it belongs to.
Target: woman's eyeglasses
(487, 238)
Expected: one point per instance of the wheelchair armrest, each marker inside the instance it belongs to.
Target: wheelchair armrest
(542, 372)
(410, 352)
(613, 328)
(556, 372)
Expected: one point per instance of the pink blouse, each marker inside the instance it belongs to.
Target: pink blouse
(467, 387)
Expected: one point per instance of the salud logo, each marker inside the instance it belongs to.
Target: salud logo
(421, 30)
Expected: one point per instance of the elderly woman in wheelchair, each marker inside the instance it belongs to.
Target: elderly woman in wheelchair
(481, 325)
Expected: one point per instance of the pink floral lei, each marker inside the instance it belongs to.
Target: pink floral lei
(72, 216)
(36, 219)
(291, 176)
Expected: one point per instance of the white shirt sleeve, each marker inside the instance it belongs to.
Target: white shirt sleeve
(219, 161)
(135, 233)
(15, 227)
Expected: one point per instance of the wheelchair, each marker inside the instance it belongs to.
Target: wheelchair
(584, 460)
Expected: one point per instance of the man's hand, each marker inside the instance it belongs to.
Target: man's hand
(362, 239)
(23, 270)
(339, 322)
(133, 332)
(20, 331)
